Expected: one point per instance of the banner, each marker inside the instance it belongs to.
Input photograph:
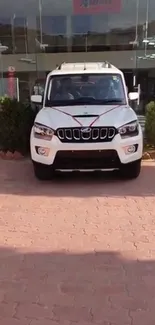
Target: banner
(96, 6)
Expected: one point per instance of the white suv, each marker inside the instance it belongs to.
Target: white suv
(86, 122)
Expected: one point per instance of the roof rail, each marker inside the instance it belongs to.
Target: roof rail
(58, 66)
(107, 64)
(103, 64)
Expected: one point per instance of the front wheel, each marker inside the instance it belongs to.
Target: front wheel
(42, 172)
(131, 170)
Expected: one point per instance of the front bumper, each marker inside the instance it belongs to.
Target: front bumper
(107, 155)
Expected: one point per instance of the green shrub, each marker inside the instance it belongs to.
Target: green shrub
(150, 123)
(16, 120)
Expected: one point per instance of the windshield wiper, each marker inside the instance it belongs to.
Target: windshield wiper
(112, 100)
(71, 102)
(84, 100)
(92, 100)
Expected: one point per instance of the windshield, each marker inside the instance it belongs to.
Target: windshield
(88, 89)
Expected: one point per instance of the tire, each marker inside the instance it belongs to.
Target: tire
(42, 172)
(131, 170)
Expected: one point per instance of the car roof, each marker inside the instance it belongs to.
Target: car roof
(85, 68)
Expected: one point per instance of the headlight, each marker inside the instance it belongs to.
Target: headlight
(129, 130)
(43, 132)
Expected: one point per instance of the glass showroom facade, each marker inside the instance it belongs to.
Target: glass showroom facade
(36, 35)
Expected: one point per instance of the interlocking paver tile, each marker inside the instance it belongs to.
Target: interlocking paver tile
(77, 250)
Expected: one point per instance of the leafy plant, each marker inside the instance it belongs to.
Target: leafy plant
(16, 120)
(150, 123)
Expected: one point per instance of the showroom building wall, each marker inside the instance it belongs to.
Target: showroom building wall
(42, 33)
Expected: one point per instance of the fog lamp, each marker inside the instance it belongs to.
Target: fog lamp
(42, 151)
(130, 149)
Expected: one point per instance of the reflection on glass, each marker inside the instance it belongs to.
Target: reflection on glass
(19, 34)
(64, 29)
(54, 30)
(81, 24)
(5, 26)
(54, 25)
(19, 24)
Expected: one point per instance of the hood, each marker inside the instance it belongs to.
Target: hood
(112, 115)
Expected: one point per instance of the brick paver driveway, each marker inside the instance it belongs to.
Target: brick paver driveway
(76, 251)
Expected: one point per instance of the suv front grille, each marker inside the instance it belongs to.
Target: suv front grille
(86, 134)
(86, 159)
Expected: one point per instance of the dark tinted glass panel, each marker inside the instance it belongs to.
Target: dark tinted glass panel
(56, 44)
(53, 25)
(20, 46)
(92, 27)
(19, 26)
(100, 23)
(5, 26)
(81, 24)
(54, 29)
(7, 41)
(19, 21)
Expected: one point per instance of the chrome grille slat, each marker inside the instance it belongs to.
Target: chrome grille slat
(76, 134)
(86, 134)
(60, 134)
(95, 134)
(111, 133)
(103, 133)
(68, 134)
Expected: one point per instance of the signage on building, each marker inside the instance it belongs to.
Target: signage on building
(96, 6)
(11, 82)
(11, 69)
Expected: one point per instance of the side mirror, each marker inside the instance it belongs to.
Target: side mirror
(36, 99)
(133, 96)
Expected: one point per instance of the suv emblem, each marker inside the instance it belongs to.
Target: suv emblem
(86, 130)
